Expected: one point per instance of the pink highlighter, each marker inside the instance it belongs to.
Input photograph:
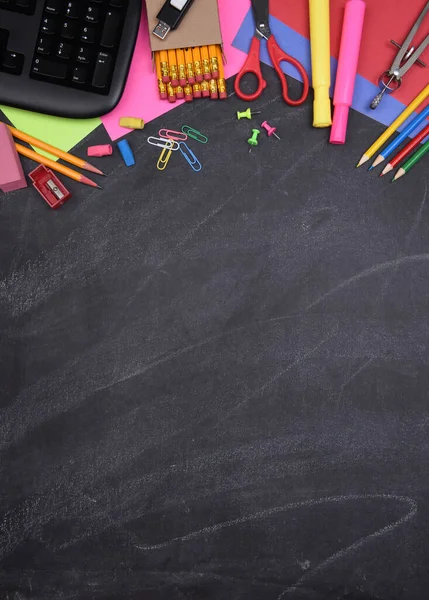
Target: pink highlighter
(347, 67)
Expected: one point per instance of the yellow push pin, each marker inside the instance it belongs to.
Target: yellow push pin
(247, 114)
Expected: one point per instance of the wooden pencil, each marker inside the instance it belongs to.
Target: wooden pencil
(189, 60)
(214, 64)
(70, 158)
(198, 71)
(55, 166)
(221, 83)
(165, 72)
(172, 65)
(205, 63)
(161, 85)
(406, 151)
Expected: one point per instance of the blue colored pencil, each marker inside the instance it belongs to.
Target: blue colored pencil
(400, 138)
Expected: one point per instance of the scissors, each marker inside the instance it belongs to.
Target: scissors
(277, 55)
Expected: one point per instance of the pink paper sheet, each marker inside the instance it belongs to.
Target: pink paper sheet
(141, 97)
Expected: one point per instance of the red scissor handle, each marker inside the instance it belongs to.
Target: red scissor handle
(278, 56)
(252, 64)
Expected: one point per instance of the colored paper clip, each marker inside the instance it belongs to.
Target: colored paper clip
(177, 136)
(194, 134)
(190, 157)
(163, 159)
(163, 143)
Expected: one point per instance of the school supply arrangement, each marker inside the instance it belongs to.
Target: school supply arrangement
(66, 58)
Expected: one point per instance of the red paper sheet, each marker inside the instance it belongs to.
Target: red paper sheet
(384, 20)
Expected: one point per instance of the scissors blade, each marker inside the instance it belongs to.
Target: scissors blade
(261, 13)
(396, 65)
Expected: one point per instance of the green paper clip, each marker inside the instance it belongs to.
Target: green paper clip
(194, 134)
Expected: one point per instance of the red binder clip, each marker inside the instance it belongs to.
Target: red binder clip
(49, 186)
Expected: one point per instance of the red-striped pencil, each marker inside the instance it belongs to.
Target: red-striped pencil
(405, 151)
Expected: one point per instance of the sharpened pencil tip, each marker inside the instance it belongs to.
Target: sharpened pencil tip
(363, 159)
(371, 168)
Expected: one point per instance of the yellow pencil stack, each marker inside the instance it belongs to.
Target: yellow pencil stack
(190, 73)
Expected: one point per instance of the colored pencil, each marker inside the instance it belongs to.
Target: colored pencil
(73, 160)
(394, 126)
(401, 137)
(43, 160)
(406, 151)
(412, 161)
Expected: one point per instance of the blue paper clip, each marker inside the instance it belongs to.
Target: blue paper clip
(190, 157)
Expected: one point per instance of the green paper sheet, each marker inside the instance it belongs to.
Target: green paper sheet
(59, 132)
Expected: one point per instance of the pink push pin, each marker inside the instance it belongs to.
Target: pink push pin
(270, 130)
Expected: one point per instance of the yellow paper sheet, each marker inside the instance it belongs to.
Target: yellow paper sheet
(59, 132)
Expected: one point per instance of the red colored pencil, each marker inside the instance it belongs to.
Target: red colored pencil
(406, 151)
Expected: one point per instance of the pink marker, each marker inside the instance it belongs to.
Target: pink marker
(347, 68)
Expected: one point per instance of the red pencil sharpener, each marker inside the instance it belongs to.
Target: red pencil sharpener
(49, 186)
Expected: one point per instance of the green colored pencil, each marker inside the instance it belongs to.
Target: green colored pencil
(407, 166)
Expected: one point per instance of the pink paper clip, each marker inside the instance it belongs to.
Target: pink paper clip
(170, 134)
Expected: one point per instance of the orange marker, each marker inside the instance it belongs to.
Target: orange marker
(214, 65)
(171, 93)
(197, 64)
(161, 85)
(189, 66)
(188, 93)
(172, 60)
(206, 63)
(181, 66)
(221, 83)
(164, 66)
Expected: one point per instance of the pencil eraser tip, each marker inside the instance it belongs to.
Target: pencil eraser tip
(223, 95)
(191, 80)
(215, 74)
(174, 82)
(207, 76)
(197, 94)
(163, 95)
(188, 97)
(104, 150)
(183, 82)
(205, 93)
(180, 95)
(214, 96)
(165, 79)
(199, 78)
(172, 99)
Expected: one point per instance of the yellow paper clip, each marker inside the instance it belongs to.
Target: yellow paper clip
(164, 157)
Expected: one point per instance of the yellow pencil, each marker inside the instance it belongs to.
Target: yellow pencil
(206, 63)
(164, 66)
(181, 66)
(221, 83)
(70, 158)
(172, 63)
(171, 93)
(214, 65)
(196, 54)
(189, 65)
(43, 160)
(161, 85)
(188, 93)
(320, 61)
(394, 126)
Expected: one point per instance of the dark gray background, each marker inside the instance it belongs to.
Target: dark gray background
(215, 385)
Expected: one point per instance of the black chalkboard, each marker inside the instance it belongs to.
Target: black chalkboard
(214, 385)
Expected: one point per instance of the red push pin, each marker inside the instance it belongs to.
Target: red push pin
(270, 130)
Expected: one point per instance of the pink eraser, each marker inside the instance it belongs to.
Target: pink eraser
(11, 174)
(351, 37)
(183, 82)
(199, 78)
(180, 95)
(214, 95)
(205, 93)
(105, 150)
(197, 93)
(174, 82)
(223, 95)
(188, 97)
(191, 80)
(208, 76)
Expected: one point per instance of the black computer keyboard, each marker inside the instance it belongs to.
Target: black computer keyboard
(66, 57)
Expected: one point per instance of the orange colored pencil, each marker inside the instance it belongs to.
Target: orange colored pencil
(73, 160)
(43, 160)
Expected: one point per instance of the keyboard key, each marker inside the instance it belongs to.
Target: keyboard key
(102, 70)
(69, 30)
(12, 63)
(80, 75)
(44, 45)
(92, 14)
(49, 69)
(84, 55)
(64, 50)
(49, 25)
(112, 27)
(72, 10)
(53, 7)
(88, 35)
